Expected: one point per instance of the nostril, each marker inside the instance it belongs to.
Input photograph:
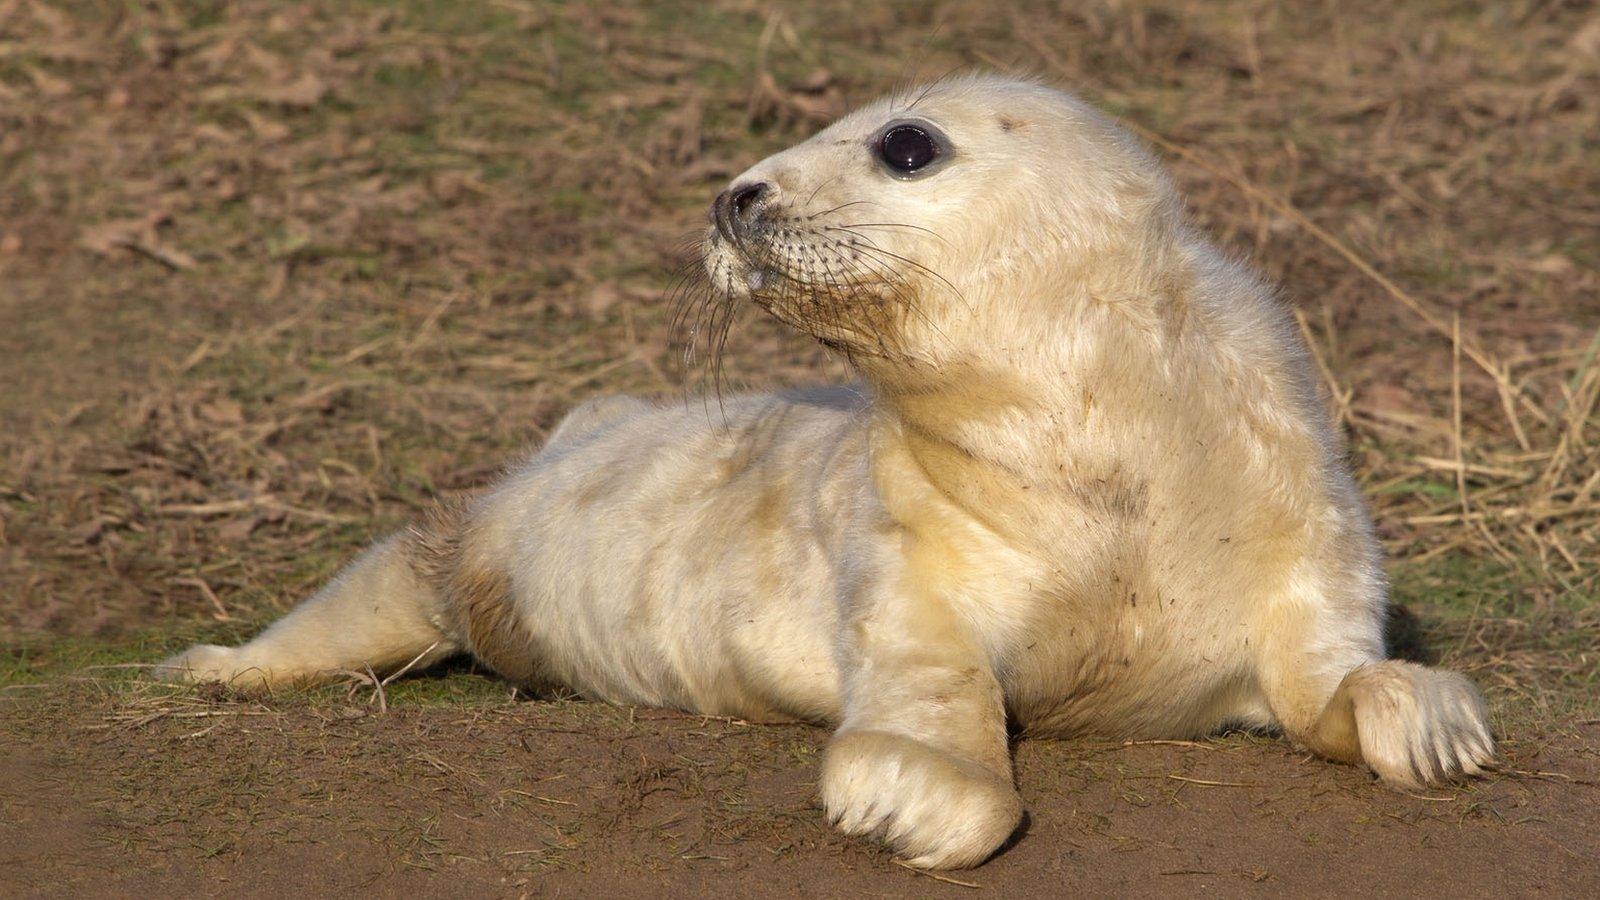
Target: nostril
(746, 197)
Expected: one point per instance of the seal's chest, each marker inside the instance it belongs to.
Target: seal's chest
(1129, 669)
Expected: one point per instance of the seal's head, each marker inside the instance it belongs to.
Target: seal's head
(926, 222)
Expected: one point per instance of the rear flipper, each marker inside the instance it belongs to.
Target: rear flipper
(437, 589)
(380, 612)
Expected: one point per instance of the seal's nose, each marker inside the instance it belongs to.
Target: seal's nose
(746, 197)
(736, 206)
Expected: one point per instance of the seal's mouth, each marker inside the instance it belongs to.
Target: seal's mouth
(793, 263)
(733, 264)
(755, 261)
(756, 279)
(823, 274)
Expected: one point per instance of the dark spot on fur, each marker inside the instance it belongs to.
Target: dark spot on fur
(768, 513)
(446, 553)
(1113, 495)
(593, 487)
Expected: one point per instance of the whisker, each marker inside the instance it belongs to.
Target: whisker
(819, 187)
(851, 225)
(874, 248)
(906, 301)
(835, 209)
(937, 82)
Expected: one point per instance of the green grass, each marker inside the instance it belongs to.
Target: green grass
(1525, 639)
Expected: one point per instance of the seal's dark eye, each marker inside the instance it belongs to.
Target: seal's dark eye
(907, 148)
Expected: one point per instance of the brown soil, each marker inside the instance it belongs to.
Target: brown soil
(574, 799)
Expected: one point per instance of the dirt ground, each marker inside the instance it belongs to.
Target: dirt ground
(273, 276)
(561, 799)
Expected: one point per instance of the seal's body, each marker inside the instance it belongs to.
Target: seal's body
(1086, 485)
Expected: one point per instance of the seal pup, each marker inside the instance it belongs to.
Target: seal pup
(1086, 486)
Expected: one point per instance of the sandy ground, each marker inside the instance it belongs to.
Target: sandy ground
(576, 799)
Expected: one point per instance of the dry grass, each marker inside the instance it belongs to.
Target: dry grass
(272, 276)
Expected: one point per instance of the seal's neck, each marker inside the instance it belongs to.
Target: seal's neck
(974, 442)
(1004, 415)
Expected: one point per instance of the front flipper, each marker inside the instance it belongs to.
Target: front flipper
(1324, 676)
(921, 759)
(1410, 724)
(937, 809)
